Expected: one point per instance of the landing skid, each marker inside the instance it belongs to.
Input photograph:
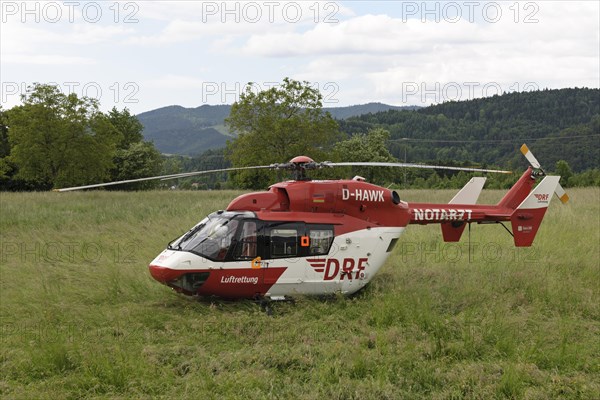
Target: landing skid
(266, 302)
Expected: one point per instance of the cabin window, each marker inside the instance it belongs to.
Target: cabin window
(216, 236)
(247, 244)
(216, 244)
(320, 241)
(392, 245)
(284, 242)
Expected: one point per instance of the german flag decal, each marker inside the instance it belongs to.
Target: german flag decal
(318, 198)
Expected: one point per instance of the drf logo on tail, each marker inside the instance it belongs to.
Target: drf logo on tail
(542, 197)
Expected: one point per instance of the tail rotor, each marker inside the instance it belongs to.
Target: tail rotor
(539, 171)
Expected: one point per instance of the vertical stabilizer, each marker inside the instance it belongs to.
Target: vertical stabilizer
(528, 216)
(470, 192)
(519, 191)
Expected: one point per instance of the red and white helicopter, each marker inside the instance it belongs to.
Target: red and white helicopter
(314, 237)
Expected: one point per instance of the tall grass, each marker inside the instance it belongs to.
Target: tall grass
(81, 317)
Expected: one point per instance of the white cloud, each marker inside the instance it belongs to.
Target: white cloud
(384, 55)
(46, 59)
(173, 82)
(209, 19)
(244, 12)
(370, 53)
(40, 45)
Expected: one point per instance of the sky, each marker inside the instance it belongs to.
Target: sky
(144, 55)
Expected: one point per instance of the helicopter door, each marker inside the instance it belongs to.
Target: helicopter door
(249, 246)
(323, 275)
(283, 249)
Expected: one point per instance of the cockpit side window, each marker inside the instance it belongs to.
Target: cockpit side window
(219, 239)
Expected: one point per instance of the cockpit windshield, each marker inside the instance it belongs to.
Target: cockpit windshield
(211, 237)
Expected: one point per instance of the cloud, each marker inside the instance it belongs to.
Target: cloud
(385, 56)
(368, 34)
(555, 31)
(244, 12)
(370, 50)
(23, 44)
(46, 59)
(192, 21)
(173, 81)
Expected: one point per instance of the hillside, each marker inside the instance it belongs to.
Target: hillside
(186, 131)
(361, 109)
(189, 131)
(557, 124)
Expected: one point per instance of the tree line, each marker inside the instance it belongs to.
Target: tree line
(55, 140)
(282, 122)
(562, 124)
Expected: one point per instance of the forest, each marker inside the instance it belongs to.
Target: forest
(562, 127)
(558, 124)
(54, 140)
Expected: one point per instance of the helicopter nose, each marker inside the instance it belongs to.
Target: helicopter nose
(163, 274)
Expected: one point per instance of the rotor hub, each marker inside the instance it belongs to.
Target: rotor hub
(301, 160)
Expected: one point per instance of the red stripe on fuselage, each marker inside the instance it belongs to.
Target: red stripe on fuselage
(226, 283)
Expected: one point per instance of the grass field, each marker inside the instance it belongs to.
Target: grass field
(82, 318)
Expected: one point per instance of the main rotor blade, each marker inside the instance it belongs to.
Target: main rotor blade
(409, 165)
(161, 177)
(186, 174)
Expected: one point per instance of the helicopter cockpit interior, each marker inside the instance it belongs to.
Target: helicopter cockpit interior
(239, 236)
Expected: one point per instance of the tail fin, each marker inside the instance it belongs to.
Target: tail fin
(452, 231)
(526, 219)
(519, 191)
(470, 192)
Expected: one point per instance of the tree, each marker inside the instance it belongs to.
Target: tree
(564, 170)
(367, 147)
(4, 145)
(128, 125)
(6, 167)
(60, 140)
(134, 158)
(139, 160)
(276, 125)
(210, 159)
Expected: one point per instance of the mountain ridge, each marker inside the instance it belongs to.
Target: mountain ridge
(189, 131)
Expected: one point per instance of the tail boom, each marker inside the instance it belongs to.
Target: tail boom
(524, 208)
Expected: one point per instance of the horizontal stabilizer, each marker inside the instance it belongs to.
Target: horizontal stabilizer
(452, 231)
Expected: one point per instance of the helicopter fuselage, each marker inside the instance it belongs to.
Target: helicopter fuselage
(323, 237)
(300, 237)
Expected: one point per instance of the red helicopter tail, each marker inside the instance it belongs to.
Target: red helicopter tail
(526, 219)
(452, 231)
(522, 206)
(519, 191)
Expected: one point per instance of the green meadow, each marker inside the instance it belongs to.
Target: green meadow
(80, 316)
